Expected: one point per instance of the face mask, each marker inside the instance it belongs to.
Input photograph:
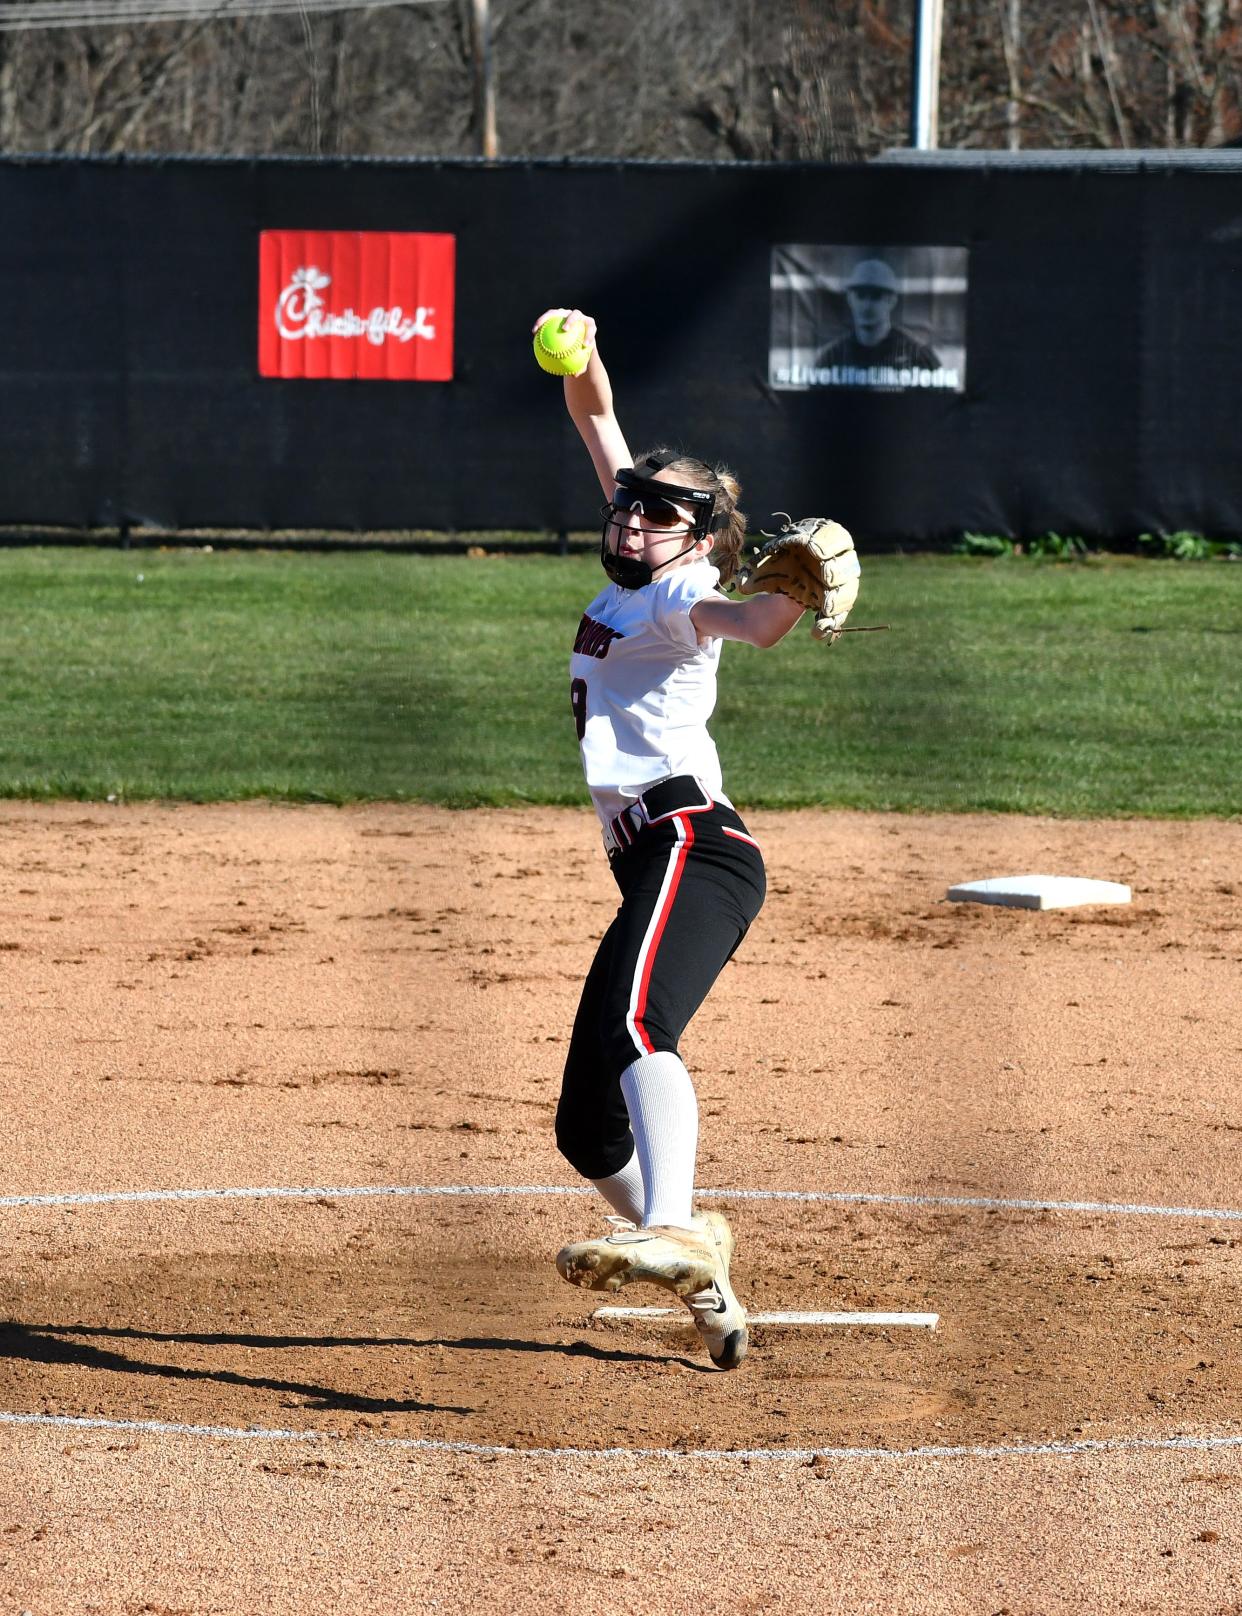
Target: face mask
(638, 490)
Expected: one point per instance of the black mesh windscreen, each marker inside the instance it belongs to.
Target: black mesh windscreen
(1103, 343)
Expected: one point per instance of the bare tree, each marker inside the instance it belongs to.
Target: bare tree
(715, 79)
(1083, 73)
(10, 68)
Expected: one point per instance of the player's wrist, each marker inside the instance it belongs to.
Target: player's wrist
(587, 404)
(591, 383)
(772, 617)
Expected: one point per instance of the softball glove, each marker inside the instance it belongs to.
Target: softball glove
(813, 562)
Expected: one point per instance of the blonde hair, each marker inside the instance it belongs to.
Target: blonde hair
(726, 544)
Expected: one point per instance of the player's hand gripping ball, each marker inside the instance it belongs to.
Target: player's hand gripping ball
(813, 562)
(563, 343)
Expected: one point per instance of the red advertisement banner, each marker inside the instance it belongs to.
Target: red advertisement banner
(365, 305)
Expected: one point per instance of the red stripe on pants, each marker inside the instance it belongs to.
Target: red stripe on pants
(666, 909)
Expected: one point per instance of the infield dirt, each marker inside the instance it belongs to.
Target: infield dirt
(264, 996)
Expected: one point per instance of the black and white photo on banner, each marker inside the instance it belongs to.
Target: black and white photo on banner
(888, 319)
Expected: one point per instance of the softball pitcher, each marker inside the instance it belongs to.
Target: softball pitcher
(691, 877)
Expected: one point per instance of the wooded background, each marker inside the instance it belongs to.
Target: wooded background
(674, 79)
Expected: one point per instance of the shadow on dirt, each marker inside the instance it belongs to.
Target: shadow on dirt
(43, 1344)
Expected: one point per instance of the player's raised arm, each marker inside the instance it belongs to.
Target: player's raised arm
(588, 392)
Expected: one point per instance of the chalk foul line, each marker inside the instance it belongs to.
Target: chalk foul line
(1017, 1450)
(315, 1192)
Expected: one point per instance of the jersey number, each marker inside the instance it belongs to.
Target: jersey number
(577, 702)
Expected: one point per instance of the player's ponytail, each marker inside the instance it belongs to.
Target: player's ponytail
(727, 550)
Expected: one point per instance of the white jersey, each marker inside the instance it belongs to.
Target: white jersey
(643, 688)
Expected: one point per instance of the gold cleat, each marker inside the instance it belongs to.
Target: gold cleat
(679, 1260)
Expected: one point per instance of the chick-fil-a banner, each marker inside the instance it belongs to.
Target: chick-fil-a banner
(365, 305)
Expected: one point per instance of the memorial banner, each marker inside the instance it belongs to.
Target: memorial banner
(890, 319)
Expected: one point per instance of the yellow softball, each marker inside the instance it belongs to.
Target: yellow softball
(561, 347)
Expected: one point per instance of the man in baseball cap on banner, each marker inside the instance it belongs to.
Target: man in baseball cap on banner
(871, 292)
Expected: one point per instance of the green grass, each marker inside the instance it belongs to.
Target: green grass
(1092, 689)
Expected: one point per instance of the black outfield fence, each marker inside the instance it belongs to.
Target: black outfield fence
(916, 350)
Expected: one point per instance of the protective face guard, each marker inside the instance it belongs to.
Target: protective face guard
(638, 486)
(655, 509)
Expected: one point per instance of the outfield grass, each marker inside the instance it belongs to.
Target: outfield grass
(1100, 689)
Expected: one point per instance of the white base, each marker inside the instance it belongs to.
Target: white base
(619, 1315)
(1039, 891)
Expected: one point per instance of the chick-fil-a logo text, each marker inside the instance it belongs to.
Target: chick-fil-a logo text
(301, 312)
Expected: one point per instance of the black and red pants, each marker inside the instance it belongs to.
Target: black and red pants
(692, 881)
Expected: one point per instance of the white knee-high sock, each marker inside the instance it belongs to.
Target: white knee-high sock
(624, 1190)
(664, 1115)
